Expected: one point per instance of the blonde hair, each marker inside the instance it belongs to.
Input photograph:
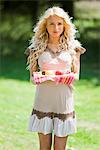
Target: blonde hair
(39, 41)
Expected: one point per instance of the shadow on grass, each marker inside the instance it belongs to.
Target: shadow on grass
(14, 68)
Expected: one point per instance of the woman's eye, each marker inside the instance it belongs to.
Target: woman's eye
(51, 24)
(59, 23)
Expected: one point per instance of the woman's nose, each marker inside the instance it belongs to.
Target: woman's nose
(56, 27)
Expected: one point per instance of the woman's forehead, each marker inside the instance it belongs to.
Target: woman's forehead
(54, 18)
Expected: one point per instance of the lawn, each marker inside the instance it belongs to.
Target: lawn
(16, 101)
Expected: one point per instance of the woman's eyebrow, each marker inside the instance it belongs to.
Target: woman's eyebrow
(57, 21)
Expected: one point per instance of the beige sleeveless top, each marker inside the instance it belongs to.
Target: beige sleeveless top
(48, 61)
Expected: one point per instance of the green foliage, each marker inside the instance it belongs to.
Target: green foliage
(88, 28)
(89, 36)
(87, 9)
(15, 27)
(88, 23)
(15, 34)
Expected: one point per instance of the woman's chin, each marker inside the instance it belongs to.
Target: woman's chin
(55, 35)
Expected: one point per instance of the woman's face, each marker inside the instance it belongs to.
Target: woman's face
(55, 26)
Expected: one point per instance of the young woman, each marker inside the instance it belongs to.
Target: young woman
(54, 48)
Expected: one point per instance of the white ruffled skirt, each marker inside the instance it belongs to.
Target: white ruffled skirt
(47, 125)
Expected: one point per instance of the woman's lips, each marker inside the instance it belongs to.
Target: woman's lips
(55, 32)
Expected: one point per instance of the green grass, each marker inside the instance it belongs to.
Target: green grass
(16, 101)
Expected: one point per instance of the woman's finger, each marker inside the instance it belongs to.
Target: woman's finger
(71, 78)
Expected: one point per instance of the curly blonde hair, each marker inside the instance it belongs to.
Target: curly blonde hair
(39, 41)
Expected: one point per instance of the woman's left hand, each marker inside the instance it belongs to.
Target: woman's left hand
(68, 80)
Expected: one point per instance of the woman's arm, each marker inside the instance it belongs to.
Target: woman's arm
(76, 65)
(33, 67)
(76, 61)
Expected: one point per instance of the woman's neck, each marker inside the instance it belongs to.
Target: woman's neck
(53, 40)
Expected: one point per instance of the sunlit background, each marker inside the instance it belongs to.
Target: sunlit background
(17, 20)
